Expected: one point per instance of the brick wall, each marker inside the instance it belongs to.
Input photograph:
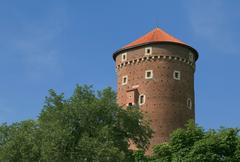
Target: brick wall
(165, 98)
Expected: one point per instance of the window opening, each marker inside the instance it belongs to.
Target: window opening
(148, 51)
(177, 75)
(124, 80)
(148, 74)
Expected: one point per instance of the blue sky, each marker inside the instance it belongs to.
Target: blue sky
(60, 43)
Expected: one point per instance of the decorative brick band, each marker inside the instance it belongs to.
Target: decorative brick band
(154, 58)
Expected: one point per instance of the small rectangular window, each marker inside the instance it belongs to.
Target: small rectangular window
(148, 50)
(124, 80)
(124, 57)
(148, 74)
(130, 104)
(141, 99)
(177, 75)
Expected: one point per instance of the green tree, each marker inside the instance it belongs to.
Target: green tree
(89, 127)
(86, 127)
(19, 142)
(193, 144)
(139, 156)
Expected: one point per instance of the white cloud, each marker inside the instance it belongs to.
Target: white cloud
(210, 21)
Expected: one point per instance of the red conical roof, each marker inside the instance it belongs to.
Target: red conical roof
(156, 35)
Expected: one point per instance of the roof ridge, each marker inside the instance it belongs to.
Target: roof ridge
(154, 31)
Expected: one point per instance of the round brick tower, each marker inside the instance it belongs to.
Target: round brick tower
(156, 72)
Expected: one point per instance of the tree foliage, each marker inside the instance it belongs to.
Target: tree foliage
(193, 144)
(19, 142)
(85, 127)
(91, 127)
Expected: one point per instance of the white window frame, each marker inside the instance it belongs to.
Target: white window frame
(191, 57)
(139, 99)
(179, 74)
(123, 78)
(146, 72)
(124, 57)
(146, 51)
(189, 103)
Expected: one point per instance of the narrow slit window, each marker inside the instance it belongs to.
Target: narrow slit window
(189, 103)
(191, 57)
(124, 57)
(177, 75)
(124, 80)
(148, 74)
(148, 50)
(141, 99)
